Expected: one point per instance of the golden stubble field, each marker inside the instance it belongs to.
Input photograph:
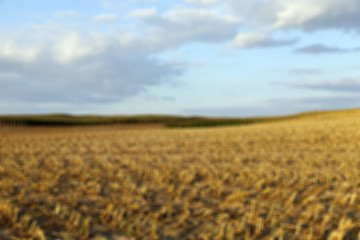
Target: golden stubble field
(297, 179)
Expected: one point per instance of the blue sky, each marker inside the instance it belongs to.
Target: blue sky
(187, 57)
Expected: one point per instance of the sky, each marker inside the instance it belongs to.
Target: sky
(181, 57)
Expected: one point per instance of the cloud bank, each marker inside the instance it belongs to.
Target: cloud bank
(112, 55)
(340, 85)
(62, 64)
(79, 67)
(272, 16)
(323, 49)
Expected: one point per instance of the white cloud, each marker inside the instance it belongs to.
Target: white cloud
(69, 64)
(249, 39)
(69, 13)
(195, 14)
(279, 15)
(295, 13)
(13, 51)
(144, 13)
(213, 20)
(257, 39)
(298, 14)
(179, 26)
(73, 66)
(105, 17)
(320, 13)
(73, 46)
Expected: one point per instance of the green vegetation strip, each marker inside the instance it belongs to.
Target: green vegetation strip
(70, 120)
(167, 121)
(213, 122)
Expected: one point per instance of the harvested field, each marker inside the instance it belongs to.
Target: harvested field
(294, 179)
